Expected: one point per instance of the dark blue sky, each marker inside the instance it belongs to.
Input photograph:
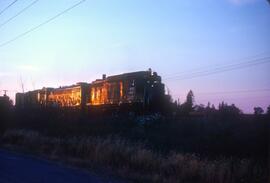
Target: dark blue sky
(174, 38)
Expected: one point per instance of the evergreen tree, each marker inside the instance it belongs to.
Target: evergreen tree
(187, 107)
(190, 100)
(258, 110)
(268, 110)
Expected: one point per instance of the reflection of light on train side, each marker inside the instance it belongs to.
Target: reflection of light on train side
(66, 97)
(97, 95)
(104, 93)
(121, 89)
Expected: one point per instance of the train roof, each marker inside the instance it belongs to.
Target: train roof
(79, 84)
(124, 76)
(130, 75)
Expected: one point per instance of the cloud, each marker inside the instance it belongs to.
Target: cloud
(242, 2)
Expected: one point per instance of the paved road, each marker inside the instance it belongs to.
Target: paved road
(19, 168)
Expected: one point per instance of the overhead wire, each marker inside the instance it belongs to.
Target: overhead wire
(221, 69)
(246, 98)
(213, 66)
(20, 12)
(233, 92)
(6, 8)
(209, 68)
(41, 24)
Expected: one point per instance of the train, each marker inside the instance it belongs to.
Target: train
(143, 89)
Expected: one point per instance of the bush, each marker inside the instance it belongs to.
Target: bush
(135, 161)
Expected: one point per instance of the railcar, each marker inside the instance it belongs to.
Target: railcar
(69, 96)
(143, 89)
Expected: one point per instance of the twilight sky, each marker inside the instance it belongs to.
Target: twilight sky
(175, 38)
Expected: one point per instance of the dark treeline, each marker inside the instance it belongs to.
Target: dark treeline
(183, 143)
(205, 130)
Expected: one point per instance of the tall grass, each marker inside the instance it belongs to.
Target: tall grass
(135, 161)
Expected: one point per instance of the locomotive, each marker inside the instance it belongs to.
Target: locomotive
(143, 88)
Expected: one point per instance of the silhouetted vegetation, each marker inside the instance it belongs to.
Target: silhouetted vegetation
(5, 112)
(186, 143)
(258, 110)
(268, 110)
(137, 162)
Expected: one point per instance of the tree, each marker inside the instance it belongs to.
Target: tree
(188, 105)
(228, 110)
(190, 100)
(258, 110)
(199, 108)
(268, 110)
(5, 108)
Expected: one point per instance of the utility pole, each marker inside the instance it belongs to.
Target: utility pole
(22, 84)
(33, 83)
(5, 93)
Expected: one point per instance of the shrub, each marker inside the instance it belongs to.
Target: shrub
(136, 162)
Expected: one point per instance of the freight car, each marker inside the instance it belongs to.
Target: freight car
(143, 89)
